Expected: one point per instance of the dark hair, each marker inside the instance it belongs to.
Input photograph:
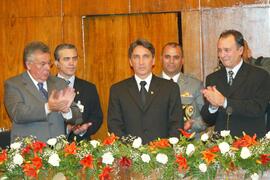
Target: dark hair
(141, 42)
(239, 39)
(33, 47)
(174, 45)
(61, 47)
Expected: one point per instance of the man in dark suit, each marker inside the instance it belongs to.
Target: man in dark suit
(238, 93)
(144, 105)
(66, 58)
(39, 104)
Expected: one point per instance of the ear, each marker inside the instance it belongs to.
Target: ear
(153, 61)
(56, 63)
(27, 65)
(130, 63)
(241, 50)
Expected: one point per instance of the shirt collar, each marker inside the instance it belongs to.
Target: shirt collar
(36, 82)
(175, 77)
(71, 80)
(235, 69)
(147, 80)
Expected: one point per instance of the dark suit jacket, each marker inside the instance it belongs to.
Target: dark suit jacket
(26, 108)
(159, 118)
(248, 98)
(87, 94)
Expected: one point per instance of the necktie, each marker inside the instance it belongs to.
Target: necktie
(42, 91)
(230, 74)
(143, 92)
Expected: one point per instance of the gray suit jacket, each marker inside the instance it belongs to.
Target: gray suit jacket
(190, 94)
(26, 108)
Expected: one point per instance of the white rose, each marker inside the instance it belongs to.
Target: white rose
(224, 147)
(16, 145)
(245, 153)
(268, 135)
(137, 142)
(203, 167)
(18, 159)
(145, 158)
(52, 141)
(173, 140)
(254, 176)
(54, 159)
(94, 143)
(190, 149)
(204, 137)
(225, 133)
(107, 158)
(162, 158)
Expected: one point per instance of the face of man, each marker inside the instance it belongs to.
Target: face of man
(228, 51)
(172, 60)
(39, 66)
(67, 63)
(142, 61)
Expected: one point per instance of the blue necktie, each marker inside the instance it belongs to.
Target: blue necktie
(42, 91)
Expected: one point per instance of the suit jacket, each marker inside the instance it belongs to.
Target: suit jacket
(26, 108)
(190, 92)
(87, 94)
(159, 118)
(248, 98)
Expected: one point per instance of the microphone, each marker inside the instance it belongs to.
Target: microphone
(229, 111)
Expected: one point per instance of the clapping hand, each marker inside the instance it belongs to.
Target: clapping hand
(214, 97)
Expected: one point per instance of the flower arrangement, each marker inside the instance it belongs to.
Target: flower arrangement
(173, 158)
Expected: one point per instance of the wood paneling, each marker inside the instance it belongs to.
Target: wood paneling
(107, 45)
(230, 3)
(15, 33)
(100, 7)
(192, 43)
(252, 22)
(28, 8)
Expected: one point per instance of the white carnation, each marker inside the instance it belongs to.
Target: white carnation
(225, 133)
(18, 159)
(137, 142)
(145, 158)
(94, 143)
(54, 159)
(224, 147)
(254, 176)
(52, 141)
(204, 137)
(245, 153)
(16, 145)
(162, 158)
(107, 158)
(203, 167)
(173, 140)
(190, 149)
(268, 135)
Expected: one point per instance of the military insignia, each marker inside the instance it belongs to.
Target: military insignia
(188, 111)
(186, 94)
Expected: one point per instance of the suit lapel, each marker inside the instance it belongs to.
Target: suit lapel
(152, 92)
(239, 79)
(134, 92)
(30, 86)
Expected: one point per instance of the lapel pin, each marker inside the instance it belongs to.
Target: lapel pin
(77, 92)
(152, 92)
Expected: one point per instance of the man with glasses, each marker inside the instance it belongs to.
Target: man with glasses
(37, 103)
(66, 59)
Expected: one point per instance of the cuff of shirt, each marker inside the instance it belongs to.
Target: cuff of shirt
(212, 109)
(47, 111)
(67, 115)
(225, 103)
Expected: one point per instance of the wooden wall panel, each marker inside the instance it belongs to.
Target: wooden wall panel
(101, 7)
(15, 33)
(107, 40)
(192, 43)
(230, 3)
(29, 8)
(252, 22)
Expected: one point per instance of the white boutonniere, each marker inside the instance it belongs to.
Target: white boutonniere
(80, 106)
